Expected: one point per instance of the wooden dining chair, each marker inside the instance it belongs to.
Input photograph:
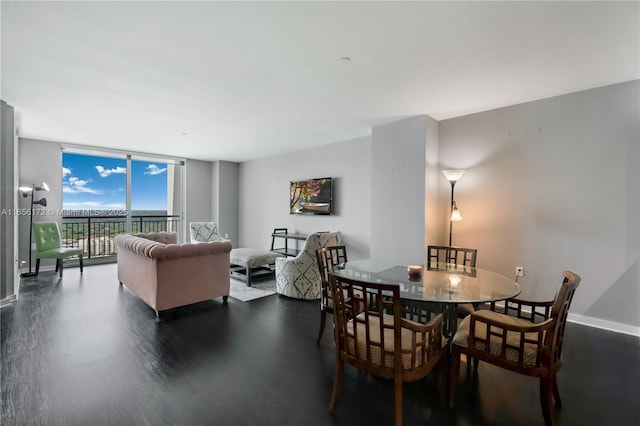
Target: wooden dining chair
(529, 342)
(371, 335)
(456, 256)
(328, 257)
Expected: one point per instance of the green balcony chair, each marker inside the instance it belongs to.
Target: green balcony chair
(48, 245)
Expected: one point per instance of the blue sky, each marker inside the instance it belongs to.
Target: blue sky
(100, 183)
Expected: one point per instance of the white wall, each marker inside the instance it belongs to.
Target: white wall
(554, 185)
(264, 194)
(39, 162)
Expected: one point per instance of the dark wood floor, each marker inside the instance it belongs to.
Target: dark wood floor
(85, 351)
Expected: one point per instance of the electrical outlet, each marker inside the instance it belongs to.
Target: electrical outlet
(33, 246)
(519, 271)
(226, 236)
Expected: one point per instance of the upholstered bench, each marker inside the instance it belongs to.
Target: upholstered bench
(248, 264)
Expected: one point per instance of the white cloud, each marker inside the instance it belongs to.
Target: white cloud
(75, 185)
(65, 171)
(153, 169)
(106, 172)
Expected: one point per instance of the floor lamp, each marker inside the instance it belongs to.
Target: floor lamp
(28, 191)
(453, 176)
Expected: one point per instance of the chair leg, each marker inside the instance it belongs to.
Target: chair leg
(545, 400)
(323, 319)
(454, 370)
(37, 266)
(337, 383)
(248, 273)
(441, 377)
(398, 398)
(556, 392)
(61, 267)
(81, 264)
(57, 264)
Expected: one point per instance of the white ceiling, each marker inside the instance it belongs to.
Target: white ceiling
(237, 80)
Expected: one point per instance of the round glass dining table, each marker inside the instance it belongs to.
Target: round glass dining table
(444, 285)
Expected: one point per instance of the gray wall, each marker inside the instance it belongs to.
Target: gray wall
(398, 191)
(212, 195)
(198, 193)
(554, 185)
(434, 233)
(39, 162)
(225, 205)
(264, 194)
(8, 201)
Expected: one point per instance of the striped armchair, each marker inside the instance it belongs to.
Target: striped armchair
(298, 277)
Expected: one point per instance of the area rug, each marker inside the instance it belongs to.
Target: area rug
(240, 290)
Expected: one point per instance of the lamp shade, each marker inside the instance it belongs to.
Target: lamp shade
(453, 175)
(43, 187)
(25, 190)
(42, 202)
(456, 216)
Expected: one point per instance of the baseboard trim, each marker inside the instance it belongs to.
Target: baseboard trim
(8, 300)
(604, 324)
(616, 327)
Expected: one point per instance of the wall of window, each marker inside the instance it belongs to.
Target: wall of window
(108, 193)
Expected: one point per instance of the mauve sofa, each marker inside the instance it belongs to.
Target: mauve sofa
(166, 275)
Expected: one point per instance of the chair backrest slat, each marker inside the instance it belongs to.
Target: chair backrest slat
(328, 257)
(559, 312)
(454, 255)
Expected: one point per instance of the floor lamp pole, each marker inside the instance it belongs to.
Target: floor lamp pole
(453, 183)
(30, 274)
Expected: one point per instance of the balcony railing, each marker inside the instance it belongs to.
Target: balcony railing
(95, 234)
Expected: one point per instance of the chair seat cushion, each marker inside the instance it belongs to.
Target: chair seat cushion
(530, 352)
(407, 337)
(465, 308)
(252, 258)
(59, 253)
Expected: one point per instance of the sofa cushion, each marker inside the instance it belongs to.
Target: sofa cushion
(161, 237)
(252, 258)
(142, 246)
(176, 251)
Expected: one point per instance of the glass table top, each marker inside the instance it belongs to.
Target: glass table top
(439, 283)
